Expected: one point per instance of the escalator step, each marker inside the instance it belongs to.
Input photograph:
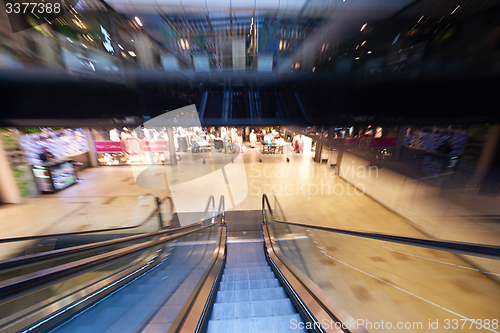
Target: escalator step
(247, 264)
(252, 309)
(278, 324)
(254, 276)
(257, 284)
(247, 270)
(250, 295)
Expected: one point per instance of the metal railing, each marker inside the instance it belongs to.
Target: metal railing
(59, 253)
(154, 212)
(22, 285)
(487, 251)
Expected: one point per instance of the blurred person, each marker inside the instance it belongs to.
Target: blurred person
(445, 148)
(45, 155)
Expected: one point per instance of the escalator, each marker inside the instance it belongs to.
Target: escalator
(161, 217)
(214, 104)
(250, 297)
(230, 273)
(266, 103)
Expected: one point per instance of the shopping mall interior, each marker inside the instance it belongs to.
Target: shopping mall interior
(250, 166)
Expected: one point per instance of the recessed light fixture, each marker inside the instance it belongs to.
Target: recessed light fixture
(138, 21)
(132, 53)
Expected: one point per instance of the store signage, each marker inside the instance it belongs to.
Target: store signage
(131, 146)
(40, 129)
(107, 42)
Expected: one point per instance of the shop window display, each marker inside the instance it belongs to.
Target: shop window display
(51, 151)
(121, 146)
(61, 143)
(124, 146)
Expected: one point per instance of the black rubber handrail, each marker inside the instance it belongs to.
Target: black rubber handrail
(38, 257)
(32, 280)
(29, 238)
(480, 250)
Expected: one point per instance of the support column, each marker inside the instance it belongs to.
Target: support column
(239, 54)
(90, 143)
(487, 156)
(317, 153)
(144, 51)
(9, 193)
(399, 142)
(171, 146)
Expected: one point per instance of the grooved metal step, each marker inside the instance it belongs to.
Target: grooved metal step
(267, 308)
(247, 270)
(276, 324)
(250, 298)
(257, 284)
(242, 277)
(250, 295)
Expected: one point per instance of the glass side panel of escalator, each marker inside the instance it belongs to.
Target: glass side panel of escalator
(410, 288)
(82, 220)
(167, 273)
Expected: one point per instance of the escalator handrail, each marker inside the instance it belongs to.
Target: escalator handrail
(112, 283)
(193, 316)
(37, 257)
(62, 272)
(308, 300)
(312, 301)
(480, 250)
(30, 238)
(20, 284)
(222, 210)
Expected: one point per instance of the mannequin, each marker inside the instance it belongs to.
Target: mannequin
(113, 135)
(253, 139)
(125, 134)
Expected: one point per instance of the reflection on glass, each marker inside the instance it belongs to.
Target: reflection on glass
(377, 281)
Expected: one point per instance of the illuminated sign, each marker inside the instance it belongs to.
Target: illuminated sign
(107, 42)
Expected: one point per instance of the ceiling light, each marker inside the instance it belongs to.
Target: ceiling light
(369, 52)
(121, 47)
(138, 21)
(132, 54)
(364, 26)
(357, 58)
